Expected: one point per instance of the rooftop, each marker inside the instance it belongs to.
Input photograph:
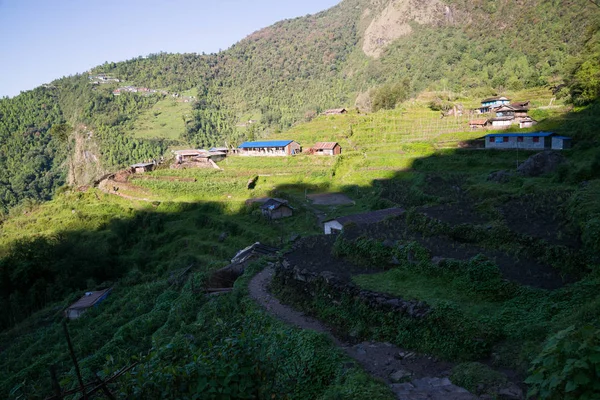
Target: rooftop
(325, 145)
(89, 299)
(268, 143)
(524, 134)
(369, 217)
(495, 98)
(142, 165)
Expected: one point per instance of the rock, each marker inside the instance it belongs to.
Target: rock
(399, 375)
(510, 392)
(294, 237)
(501, 176)
(223, 236)
(437, 260)
(541, 163)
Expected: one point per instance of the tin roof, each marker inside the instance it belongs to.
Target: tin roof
(494, 99)
(527, 134)
(270, 143)
(478, 122)
(369, 217)
(325, 145)
(191, 152)
(274, 204)
(142, 165)
(89, 299)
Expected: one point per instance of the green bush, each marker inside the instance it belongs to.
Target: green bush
(568, 367)
(477, 377)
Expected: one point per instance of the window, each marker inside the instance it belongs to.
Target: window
(505, 139)
(519, 138)
(492, 140)
(536, 140)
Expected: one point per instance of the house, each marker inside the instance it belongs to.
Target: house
(561, 143)
(478, 123)
(142, 167)
(502, 122)
(487, 105)
(188, 155)
(276, 209)
(505, 111)
(333, 226)
(335, 111)
(270, 148)
(216, 156)
(527, 122)
(90, 299)
(219, 149)
(327, 149)
(527, 141)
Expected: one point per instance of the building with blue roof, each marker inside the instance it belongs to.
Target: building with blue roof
(527, 141)
(270, 148)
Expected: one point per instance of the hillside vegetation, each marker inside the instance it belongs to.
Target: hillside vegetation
(293, 70)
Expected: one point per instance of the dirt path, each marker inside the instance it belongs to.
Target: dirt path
(410, 376)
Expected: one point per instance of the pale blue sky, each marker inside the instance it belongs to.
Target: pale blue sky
(42, 40)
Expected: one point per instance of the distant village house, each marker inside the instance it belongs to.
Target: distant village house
(270, 148)
(142, 167)
(326, 149)
(276, 209)
(90, 299)
(478, 123)
(527, 141)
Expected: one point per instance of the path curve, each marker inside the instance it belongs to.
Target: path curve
(382, 360)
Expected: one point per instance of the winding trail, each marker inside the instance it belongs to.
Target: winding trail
(382, 360)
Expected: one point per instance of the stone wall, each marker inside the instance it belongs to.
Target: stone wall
(309, 283)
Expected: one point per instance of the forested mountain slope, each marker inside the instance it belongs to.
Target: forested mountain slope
(294, 69)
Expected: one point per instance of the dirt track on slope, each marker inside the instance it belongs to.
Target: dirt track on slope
(382, 360)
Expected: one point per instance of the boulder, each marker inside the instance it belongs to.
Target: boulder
(541, 163)
(501, 176)
(399, 375)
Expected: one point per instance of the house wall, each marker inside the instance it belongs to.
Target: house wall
(560, 144)
(502, 124)
(526, 144)
(264, 152)
(281, 212)
(337, 150)
(332, 226)
(74, 313)
(293, 148)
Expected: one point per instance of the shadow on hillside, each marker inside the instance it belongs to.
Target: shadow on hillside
(448, 186)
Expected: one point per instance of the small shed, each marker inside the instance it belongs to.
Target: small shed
(219, 149)
(216, 156)
(276, 209)
(527, 122)
(327, 149)
(561, 142)
(336, 225)
(90, 299)
(142, 167)
(478, 123)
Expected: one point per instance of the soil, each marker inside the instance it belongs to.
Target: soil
(314, 254)
(457, 213)
(540, 218)
(330, 199)
(427, 375)
(523, 270)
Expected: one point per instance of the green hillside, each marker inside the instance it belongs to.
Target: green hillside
(507, 263)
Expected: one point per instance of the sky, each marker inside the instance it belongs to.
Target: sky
(43, 40)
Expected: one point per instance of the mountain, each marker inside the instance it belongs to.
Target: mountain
(294, 69)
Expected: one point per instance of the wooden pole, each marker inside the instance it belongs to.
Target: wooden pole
(74, 358)
(55, 384)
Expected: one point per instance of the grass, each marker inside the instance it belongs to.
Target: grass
(166, 119)
(152, 240)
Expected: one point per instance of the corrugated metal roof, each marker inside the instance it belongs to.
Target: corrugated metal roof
(369, 217)
(191, 152)
(271, 143)
(325, 145)
(478, 122)
(494, 99)
(142, 165)
(528, 134)
(89, 299)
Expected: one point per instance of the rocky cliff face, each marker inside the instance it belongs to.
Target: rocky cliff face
(84, 163)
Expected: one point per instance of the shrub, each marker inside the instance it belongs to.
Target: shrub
(567, 367)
